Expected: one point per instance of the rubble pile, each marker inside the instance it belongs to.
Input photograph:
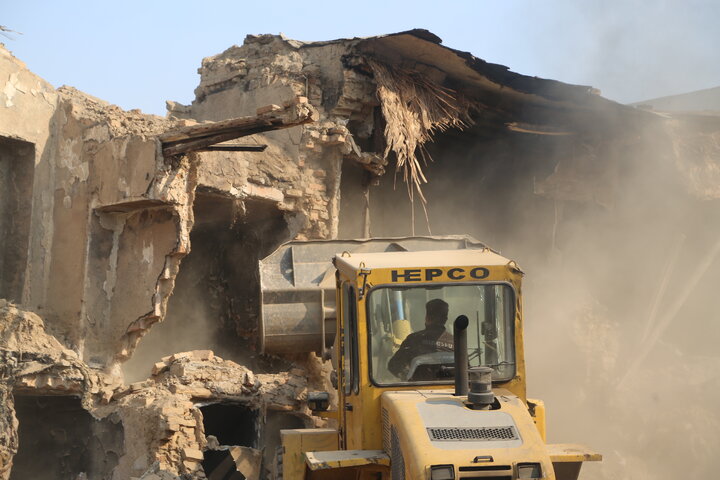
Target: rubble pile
(160, 416)
(36, 363)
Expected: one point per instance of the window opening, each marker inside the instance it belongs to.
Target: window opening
(231, 424)
(350, 361)
(410, 330)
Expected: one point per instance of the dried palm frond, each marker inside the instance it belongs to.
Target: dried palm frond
(414, 108)
(5, 32)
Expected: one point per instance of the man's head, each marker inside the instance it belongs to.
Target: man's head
(436, 312)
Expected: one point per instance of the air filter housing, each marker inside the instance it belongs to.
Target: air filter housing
(480, 394)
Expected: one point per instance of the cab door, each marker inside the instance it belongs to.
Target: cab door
(349, 384)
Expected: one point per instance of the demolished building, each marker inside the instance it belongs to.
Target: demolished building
(130, 242)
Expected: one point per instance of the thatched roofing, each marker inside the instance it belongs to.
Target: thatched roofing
(513, 96)
(501, 100)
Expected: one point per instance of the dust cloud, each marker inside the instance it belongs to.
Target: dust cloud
(632, 50)
(215, 302)
(622, 260)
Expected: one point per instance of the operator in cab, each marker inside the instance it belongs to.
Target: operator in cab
(434, 338)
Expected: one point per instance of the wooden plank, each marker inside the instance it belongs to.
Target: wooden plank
(194, 145)
(235, 148)
(294, 113)
(202, 136)
(212, 128)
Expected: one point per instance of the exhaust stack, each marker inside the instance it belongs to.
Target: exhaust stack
(461, 355)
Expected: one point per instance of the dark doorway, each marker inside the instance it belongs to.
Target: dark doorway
(59, 440)
(231, 424)
(17, 168)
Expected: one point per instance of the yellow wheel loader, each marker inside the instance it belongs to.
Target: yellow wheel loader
(426, 334)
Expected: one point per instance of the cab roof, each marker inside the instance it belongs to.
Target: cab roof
(435, 258)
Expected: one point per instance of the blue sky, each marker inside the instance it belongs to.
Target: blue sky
(138, 54)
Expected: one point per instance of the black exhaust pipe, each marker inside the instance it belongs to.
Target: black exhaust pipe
(461, 355)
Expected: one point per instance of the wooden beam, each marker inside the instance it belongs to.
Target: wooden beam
(202, 142)
(235, 148)
(202, 136)
(536, 129)
(211, 128)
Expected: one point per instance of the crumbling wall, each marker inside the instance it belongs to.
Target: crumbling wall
(304, 166)
(35, 363)
(248, 203)
(58, 439)
(93, 171)
(26, 117)
(116, 201)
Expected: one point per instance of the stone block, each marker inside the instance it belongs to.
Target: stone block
(248, 461)
(177, 356)
(158, 368)
(106, 396)
(336, 139)
(181, 421)
(338, 130)
(262, 192)
(172, 427)
(293, 192)
(69, 353)
(195, 392)
(201, 355)
(192, 454)
(268, 109)
(167, 410)
(134, 387)
(178, 369)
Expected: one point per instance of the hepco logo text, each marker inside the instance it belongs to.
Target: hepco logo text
(431, 274)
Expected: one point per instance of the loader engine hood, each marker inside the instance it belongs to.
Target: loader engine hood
(422, 429)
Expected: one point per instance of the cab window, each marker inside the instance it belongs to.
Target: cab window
(411, 331)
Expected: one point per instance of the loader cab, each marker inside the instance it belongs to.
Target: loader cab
(389, 339)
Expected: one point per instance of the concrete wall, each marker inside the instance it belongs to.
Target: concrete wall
(29, 104)
(303, 164)
(107, 220)
(101, 214)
